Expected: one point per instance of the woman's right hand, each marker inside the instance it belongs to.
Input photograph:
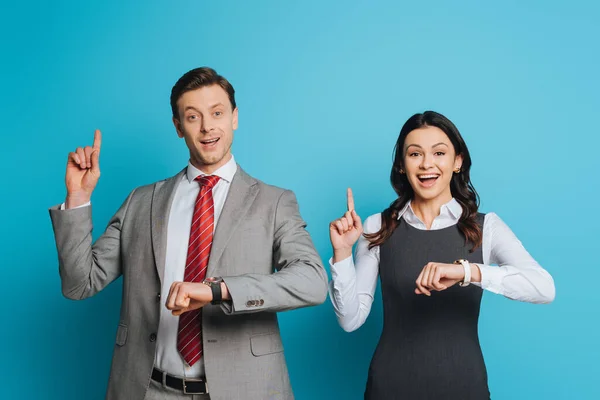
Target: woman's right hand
(83, 172)
(345, 231)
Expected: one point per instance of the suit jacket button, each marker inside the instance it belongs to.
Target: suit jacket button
(158, 297)
(153, 337)
(249, 303)
(261, 302)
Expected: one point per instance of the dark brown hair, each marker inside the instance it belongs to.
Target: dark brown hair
(460, 186)
(195, 79)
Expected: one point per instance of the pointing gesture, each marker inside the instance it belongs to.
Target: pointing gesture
(350, 200)
(345, 231)
(83, 172)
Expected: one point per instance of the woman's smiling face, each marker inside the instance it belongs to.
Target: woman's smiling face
(429, 163)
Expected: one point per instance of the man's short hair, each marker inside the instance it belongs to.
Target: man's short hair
(195, 79)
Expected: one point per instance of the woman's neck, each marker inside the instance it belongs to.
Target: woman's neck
(428, 209)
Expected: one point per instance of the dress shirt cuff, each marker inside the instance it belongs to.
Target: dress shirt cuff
(227, 307)
(491, 278)
(63, 206)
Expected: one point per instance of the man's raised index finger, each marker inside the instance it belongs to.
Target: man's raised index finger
(97, 139)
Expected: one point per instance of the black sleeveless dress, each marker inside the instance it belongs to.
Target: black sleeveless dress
(429, 347)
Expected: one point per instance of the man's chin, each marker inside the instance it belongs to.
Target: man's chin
(209, 161)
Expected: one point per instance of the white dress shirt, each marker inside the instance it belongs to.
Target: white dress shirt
(517, 275)
(168, 358)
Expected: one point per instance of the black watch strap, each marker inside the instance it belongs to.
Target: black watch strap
(215, 288)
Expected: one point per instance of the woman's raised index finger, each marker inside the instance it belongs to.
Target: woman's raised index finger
(350, 200)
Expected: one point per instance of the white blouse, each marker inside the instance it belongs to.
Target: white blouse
(517, 275)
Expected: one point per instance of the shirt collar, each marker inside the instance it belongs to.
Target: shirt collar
(226, 172)
(453, 209)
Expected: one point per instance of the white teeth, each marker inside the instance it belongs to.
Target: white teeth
(427, 176)
(210, 141)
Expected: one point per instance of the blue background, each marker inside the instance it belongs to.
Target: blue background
(323, 89)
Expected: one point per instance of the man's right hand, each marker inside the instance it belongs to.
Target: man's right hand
(83, 172)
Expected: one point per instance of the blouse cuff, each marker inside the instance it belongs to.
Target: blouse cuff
(342, 272)
(491, 278)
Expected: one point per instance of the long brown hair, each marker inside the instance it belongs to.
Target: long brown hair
(460, 186)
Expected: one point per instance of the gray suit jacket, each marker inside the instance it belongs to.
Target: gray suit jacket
(260, 248)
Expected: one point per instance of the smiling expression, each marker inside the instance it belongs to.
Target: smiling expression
(429, 163)
(207, 122)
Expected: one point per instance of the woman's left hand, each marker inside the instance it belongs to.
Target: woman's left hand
(438, 277)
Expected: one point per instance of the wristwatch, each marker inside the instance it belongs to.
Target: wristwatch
(215, 287)
(467, 279)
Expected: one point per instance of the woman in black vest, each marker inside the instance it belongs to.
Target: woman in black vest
(433, 251)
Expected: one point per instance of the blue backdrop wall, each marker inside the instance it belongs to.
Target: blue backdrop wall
(323, 88)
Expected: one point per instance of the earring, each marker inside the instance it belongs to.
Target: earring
(401, 171)
(457, 170)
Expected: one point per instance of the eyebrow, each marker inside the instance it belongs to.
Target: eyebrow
(191, 108)
(420, 147)
(211, 107)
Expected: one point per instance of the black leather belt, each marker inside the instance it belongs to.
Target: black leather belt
(188, 386)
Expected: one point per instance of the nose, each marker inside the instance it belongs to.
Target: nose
(207, 125)
(427, 161)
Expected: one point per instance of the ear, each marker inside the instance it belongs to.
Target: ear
(177, 125)
(458, 161)
(234, 119)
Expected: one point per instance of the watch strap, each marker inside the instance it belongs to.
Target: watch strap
(467, 267)
(217, 294)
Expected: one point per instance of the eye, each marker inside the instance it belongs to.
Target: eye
(414, 154)
(218, 113)
(192, 117)
(439, 153)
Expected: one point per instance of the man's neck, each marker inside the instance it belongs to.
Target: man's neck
(210, 169)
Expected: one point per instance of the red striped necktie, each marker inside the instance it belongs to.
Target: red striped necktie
(189, 335)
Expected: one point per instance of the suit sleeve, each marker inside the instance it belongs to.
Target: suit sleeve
(86, 268)
(300, 279)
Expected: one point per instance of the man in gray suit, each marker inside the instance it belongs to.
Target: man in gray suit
(207, 258)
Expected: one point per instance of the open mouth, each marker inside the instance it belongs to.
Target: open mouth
(210, 142)
(428, 180)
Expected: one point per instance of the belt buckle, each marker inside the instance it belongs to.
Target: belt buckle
(185, 391)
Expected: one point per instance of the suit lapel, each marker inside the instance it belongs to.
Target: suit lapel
(242, 192)
(164, 191)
